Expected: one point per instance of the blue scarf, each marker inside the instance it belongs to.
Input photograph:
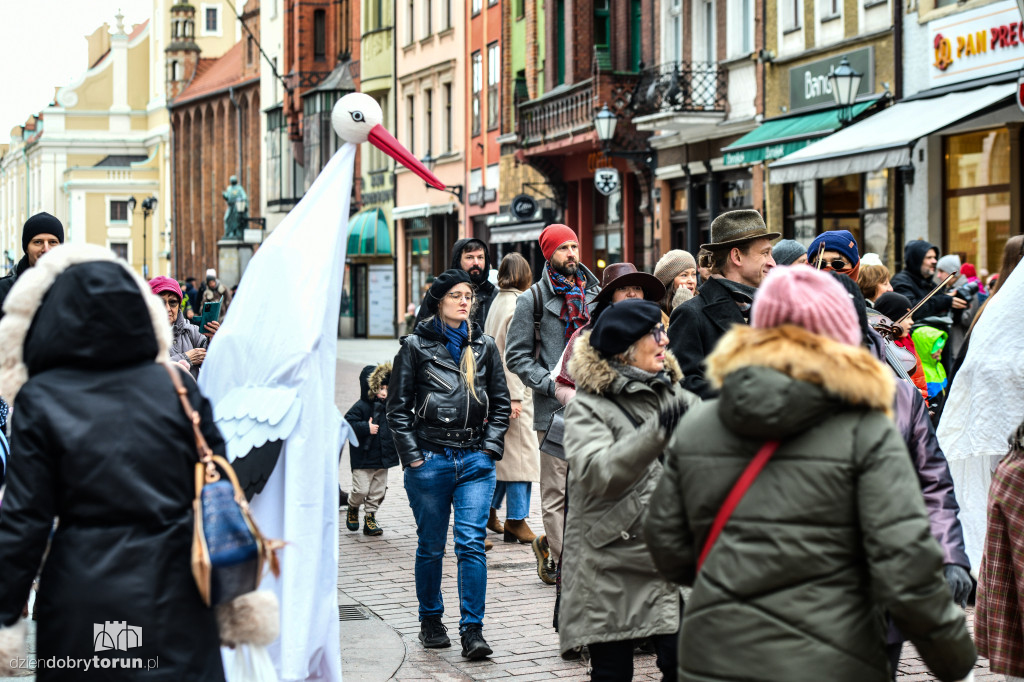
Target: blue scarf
(454, 339)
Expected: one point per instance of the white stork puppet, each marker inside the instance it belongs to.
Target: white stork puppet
(270, 376)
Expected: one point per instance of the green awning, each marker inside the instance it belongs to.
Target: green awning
(775, 138)
(368, 234)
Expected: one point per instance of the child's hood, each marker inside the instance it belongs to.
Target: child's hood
(378, 378)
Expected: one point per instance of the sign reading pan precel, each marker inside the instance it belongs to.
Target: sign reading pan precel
(809, 84)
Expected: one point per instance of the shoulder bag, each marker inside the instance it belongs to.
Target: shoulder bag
(229, 553)
(732, 500)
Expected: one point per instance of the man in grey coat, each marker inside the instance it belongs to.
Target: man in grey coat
(566, 289)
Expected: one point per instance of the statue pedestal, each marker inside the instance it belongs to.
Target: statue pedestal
(233, 255)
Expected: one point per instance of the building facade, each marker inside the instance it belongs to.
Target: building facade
(430, 73)
(96, 147)
(482, 84)
(214, 105)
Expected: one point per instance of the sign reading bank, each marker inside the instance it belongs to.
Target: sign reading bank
(982, 42)
(809, 84)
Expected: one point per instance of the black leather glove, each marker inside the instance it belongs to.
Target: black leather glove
(670, 415)
(960, 583)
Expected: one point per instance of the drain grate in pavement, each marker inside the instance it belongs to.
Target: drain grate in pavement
(352, 612)
(512, 565)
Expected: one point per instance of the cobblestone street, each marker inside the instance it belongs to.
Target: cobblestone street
(377, 573)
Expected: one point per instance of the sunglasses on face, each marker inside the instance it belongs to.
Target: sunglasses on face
(838, 264)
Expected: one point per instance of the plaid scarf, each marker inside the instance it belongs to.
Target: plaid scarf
(574, 307)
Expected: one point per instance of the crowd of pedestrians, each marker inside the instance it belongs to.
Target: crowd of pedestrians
(826, 452)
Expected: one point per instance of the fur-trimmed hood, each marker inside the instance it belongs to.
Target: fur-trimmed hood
(593, 373)
(784, 379)
(78, 307)
(379, 377)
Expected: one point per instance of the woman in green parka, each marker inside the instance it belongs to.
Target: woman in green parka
(627, 403)
(832, 533)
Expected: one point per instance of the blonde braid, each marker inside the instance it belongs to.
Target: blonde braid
(469, 363)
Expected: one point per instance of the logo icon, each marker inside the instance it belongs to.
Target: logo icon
(116, 635)
(606, 181)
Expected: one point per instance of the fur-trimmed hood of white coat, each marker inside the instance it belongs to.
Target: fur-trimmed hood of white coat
(27, 295)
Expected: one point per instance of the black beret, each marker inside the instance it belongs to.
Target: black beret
(622, 324)
(442, 284)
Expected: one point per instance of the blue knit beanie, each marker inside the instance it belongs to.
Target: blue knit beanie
(835, 240)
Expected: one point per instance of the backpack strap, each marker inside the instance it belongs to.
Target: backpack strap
(631, 418)
(538, 313)
(732, 500)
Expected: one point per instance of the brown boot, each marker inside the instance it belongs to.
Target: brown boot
(518, 531)
(493, 523)
(488, 545)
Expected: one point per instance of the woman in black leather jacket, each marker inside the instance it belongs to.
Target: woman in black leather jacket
(448, 409)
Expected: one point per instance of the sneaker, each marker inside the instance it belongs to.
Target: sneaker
(370, 525)
(433, 633)
(352, 520)
(474, 647)
(540, 550)
(551, 571)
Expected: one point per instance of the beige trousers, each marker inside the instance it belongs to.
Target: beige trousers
(368, 488)
(552, 499)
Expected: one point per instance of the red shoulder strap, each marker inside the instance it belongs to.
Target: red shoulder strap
(732, 500)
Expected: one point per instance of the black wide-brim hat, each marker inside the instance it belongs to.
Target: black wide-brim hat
(734, 228)
(618, 275)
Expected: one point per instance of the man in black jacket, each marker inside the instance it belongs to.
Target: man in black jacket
(41, 233)
(472, 256)
(740, 257)
(915, 281)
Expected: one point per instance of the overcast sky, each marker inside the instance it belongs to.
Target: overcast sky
(44, 46)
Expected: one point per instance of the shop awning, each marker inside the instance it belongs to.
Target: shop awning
(776, 138)
(368, 234)
(886, 139)
(423, 210)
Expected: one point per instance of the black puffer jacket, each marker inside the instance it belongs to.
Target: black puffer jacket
(911, 284)
(375, 451)
(7, 282)
(103, 444)
(429, 404)
(485, 292)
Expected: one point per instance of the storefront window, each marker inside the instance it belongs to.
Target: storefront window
(857, 203)
(977, 196)
(417, 249)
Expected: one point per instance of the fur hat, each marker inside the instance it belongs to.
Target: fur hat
(673, 264)
(41, 223)
(554, 236)
(802, 296)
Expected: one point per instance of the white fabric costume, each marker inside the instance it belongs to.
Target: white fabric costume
(270, 375)
(984, 407)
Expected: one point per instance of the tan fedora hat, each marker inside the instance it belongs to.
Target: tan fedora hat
(738, 227)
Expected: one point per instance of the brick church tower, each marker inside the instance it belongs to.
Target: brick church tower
(182, 53)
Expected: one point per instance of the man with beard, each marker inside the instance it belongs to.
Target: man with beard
(472, 256)
(41, 233)
(566, 290)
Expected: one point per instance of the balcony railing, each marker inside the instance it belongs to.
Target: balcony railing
(681, 87)
(557, 113)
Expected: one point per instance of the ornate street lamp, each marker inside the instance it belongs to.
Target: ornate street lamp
(605, 121)
(845, 84)
(148, 207)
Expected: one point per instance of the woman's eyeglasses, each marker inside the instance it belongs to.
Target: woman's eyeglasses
(659, 333)
(838, 264)
(456, 297)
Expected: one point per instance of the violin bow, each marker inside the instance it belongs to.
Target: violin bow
(924, 300)
(821, 252)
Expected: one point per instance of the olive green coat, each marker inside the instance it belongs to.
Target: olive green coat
(830, 535)
(610, 588)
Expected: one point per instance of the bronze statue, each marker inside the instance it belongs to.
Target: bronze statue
(237, 214)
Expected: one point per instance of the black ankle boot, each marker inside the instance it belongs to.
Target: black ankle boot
(474, 647)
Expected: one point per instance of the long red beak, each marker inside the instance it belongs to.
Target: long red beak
(380, 138)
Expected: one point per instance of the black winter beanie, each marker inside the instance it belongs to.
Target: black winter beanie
(41, 223)
(442, 284)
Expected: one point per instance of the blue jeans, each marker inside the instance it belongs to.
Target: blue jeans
(518, 495)
(462, 480)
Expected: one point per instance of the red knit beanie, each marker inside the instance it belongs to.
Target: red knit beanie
(554, 236)
(802, 296)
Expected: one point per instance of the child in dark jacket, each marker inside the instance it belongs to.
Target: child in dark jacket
(376, 452)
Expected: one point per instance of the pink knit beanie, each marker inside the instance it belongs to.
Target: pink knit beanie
(802, 296)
